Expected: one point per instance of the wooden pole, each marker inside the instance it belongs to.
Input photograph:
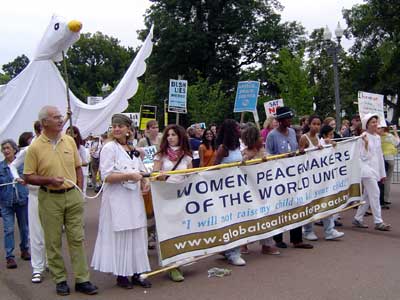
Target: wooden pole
(69, 112)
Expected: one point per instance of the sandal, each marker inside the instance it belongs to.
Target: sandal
(36, 278)
(383, 227)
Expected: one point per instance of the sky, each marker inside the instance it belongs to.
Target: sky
(22, 22)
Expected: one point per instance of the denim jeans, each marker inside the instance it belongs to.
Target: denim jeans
(233, 253)
(21, 211)
(329, 226)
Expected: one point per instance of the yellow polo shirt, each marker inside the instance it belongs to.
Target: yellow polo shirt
(46, 159)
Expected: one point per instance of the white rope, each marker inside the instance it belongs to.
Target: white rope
(80, 190)
(9, 183)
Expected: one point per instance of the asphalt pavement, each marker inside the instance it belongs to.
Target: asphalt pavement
(364, 265)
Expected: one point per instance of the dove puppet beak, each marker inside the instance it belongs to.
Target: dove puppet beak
(75, 26)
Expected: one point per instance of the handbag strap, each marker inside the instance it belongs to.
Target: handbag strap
(176, 165)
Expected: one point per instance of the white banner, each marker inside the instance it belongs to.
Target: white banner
(371, 103)
(217, 210)
(271, 106)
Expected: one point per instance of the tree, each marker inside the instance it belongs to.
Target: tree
(215, 39)
(4, 78)
(13, 68)
(207, 102)
(292, 80)
(375, 25)
(94, 60)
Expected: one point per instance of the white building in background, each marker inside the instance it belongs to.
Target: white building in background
(92, 100)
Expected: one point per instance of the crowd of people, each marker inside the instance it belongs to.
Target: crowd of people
(46, 167)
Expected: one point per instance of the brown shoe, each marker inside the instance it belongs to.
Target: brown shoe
(270, 250)
(11, 264)
(302, 245)
(25, 255)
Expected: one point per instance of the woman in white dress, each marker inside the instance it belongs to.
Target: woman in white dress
(121, 244)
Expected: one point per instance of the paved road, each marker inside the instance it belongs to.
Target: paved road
(364, 265)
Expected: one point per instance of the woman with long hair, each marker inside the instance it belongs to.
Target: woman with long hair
(229, 151)
(254, 149)
(174, 154)
(269, 124)
(121, 244)
(207, 148)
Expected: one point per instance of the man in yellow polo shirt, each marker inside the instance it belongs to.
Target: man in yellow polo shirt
(50, 159)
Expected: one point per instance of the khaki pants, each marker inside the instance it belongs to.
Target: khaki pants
(56, 210)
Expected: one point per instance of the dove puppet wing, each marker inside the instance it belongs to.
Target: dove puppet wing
(96, 118)
(40, 84)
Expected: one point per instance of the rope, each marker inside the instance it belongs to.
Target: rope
(80, 190)
(153, 176)
(9, 183)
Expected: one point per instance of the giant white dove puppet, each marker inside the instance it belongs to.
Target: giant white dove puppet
(40, 84)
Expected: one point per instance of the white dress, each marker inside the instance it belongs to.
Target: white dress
(121, 244)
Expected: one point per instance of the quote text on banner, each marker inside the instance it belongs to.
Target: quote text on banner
(217, 210)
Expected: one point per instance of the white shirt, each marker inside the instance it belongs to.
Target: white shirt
(372, 162)
(127, 205)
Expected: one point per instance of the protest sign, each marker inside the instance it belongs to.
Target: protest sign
(147, 113)
(217, 210)
(371, 103)
(246, 96)
(271, 106)
(148, 159)
(177, 96)
(135, 117)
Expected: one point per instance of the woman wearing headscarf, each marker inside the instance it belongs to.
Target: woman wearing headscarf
(121, 244)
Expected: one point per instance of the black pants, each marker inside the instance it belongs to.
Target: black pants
(382, 187)
(295, 236)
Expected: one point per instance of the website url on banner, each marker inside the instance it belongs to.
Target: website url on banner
(234, 232)
(259, 227)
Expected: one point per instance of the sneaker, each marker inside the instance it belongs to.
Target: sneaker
(334, 235)
(383, 227)
(270, 250)
(236, 261)
(36, 278)
(176, 275)
(86, 287)
(62, 288)
(25, 255)
(359, 224)
(281, 245)
(123, 281)
(310, 236)
(11, 264)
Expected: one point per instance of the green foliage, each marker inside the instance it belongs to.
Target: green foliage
(216, 40)
(4, 78)
(207, 102)
(375, 67)
(94, 60)
(291, 77)
(13, 68)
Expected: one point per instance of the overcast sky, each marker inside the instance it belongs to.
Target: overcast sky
(22, 22)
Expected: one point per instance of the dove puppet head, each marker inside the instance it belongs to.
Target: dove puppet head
(58, 37)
